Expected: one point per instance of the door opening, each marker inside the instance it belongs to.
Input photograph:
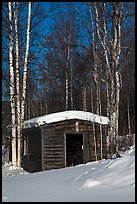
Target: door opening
(74, 149)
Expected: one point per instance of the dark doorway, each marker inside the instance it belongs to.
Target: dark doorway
(74, 149)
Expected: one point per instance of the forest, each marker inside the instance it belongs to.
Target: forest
(59, 56)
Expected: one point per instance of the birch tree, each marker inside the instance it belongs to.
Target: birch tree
(67, 79)
(69, 70)
(24, 86)
(17, 102)
(12, 88)
(96, 72)
(17, 72)
(112, 52)
(90, 26)
(94, 130)
(64, 47)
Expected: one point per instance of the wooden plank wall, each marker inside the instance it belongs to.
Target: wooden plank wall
(32, 161)
(46, 144)
(53, 144)
(52, 149)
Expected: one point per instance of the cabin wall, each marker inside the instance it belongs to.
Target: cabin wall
(52, 148)
(46, 145)
(32, 160)
(53, 143)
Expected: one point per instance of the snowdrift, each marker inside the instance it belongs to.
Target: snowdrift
(101, 181)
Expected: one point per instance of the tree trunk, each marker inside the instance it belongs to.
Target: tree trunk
(66, 91)
(18, 115)
(116, 56)
(112, 56)
(84, 99)
(67, 77)
(26, 65)
(12, 90)
(117, 107)
(94, 131)
(24, 84)
(96, 78)
(128, 113)
(71, 86)
(100, 127)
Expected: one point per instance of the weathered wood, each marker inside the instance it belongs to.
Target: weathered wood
(47, 144)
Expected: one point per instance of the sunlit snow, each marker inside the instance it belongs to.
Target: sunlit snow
(65, 115)
(99, 181)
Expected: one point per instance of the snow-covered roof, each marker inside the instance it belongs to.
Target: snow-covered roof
(65, 115)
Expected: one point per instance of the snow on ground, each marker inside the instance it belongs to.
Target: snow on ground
(101, 181)
(8, 170)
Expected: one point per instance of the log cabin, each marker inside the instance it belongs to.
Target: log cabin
(63, 139)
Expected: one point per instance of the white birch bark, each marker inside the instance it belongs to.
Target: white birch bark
(18, 115)
(95, 60)
(26, 64)
(116, 56)
(12, 89)
(108, 69)
(96, 79)
(71, 86)
(67, 77)
(109, 80)
(117, 107)
(24, 85)
(94, 131)
(100, 127)
(113, 87)
(25, 147)
(66, 90)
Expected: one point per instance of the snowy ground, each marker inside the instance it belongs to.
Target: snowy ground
(105, 181)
